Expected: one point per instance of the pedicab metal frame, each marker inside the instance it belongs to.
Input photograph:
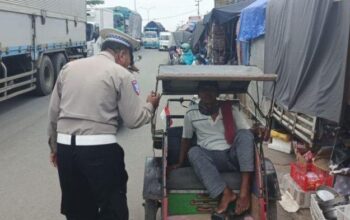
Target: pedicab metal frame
(183, 80)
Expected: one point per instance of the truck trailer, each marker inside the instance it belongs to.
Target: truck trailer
(128, 21)
(97, 19)
(37, 39)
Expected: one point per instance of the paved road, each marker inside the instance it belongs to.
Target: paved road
(29, 188)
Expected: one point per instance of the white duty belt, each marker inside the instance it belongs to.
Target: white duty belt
(87, 140)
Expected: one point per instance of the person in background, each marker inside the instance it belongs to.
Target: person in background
(187, 56)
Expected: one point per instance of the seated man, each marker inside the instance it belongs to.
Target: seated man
(221, 147)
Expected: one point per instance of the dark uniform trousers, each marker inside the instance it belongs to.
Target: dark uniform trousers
(93, 182)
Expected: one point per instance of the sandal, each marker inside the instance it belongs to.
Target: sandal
(230, 210)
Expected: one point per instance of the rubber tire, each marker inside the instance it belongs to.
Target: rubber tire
(272, 212)
(151, 208)
(59, 60)
(45, 79)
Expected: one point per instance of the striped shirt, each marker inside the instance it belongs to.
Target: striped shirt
(210, 133)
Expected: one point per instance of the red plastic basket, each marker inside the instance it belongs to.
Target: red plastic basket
(325, 177)
(309, 177)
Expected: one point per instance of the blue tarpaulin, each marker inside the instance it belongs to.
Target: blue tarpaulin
(253, 21)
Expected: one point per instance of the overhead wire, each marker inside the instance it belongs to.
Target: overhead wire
(174, 16)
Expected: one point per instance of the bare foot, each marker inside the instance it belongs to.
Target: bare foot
(242, 204)
(227, 197)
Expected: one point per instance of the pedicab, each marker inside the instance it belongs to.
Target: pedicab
(179, 194)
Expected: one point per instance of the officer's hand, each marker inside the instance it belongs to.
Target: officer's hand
(154, 98)
(53, 159)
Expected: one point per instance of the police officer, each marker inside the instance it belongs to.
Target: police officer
(89, 95)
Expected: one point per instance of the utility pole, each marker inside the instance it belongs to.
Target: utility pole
(197, 4)
(147, 9)
(135, 6)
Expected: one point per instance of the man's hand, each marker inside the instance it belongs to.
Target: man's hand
(174, 167)
(53, 159)
(154, 98)
(169, 169)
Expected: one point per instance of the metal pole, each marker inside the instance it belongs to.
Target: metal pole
(197, 1)
(148, 10)
(135, 5)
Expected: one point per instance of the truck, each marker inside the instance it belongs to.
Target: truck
(310, 105)
(128, 21)
(97, 19)
(37, 39)
(154, 26)
(164, 40)
(150, 39)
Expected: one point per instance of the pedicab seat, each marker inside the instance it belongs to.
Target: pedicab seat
(184, 178)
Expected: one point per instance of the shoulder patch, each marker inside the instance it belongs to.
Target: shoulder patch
(136, 87)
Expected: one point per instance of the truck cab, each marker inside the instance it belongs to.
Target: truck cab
(92, 34)
(150, 39)
(164, 40)
(97, 19)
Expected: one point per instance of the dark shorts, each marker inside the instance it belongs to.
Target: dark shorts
(93, 182)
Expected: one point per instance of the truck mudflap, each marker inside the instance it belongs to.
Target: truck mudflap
(273, 188)
(152, 182)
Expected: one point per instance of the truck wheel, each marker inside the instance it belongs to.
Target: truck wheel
(151, 208)
(45, 77)
(59, 60)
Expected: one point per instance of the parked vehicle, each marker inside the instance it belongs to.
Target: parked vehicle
(134, 27)
(97, 19)
(179, 193)
(164, 40)
(150, 40)
(128, 21)
(37, 39)
(154, 26)
(311, 103)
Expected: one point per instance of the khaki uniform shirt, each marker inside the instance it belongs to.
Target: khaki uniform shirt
(90, 94)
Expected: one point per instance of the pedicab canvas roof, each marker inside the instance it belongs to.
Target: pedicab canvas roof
(183, 80)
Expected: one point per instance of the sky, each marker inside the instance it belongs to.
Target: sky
(170, 13)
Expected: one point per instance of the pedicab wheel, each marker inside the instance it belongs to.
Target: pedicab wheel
(272, 211)
(151, 208)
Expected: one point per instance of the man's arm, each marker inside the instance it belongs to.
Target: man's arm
(187, 135)
(132, 109)
(54, 111)
(185, 146)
